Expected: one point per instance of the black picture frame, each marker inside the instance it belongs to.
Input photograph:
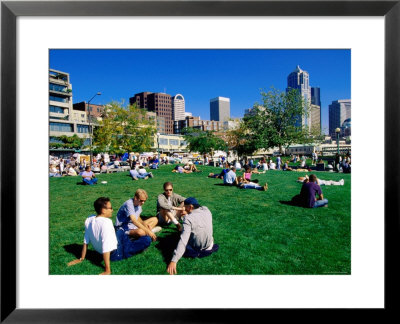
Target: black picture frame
(10, 10)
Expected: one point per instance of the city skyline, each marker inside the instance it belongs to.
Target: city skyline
(200, 75)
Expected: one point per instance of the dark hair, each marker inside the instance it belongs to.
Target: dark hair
(100, 203)
(167, 184)
(87, 167)
(312, 178)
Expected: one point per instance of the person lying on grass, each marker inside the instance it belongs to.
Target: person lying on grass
(170, 207)
(221, 174)
(245, 184)
(191, 167)
(321, 182)
(138, 174)
(307, 195)
(129, 220)
(100, 232)
(197, 235)
(180, 169)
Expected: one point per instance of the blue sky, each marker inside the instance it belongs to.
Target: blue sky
(200, 75)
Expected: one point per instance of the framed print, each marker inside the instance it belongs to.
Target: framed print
(372, 28)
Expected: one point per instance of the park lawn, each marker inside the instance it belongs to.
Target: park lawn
(257, 231)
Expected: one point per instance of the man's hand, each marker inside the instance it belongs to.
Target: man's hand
(172, 268)
(153, 237)
(179, 227)
(74, 262)
(105, 273)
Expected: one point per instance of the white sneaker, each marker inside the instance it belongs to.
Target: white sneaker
(342, 182)
(156, 229)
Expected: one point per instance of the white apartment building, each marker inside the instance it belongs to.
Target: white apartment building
(178, 107)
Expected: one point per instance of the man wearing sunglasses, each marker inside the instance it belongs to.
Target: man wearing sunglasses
(170, 207)
(129, 220)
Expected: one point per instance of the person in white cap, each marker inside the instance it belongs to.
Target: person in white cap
(196, 239)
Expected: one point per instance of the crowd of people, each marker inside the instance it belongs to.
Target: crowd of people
(132, 234)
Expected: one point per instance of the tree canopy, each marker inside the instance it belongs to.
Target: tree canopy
(124, 129)
(202, 141)
(277, 122)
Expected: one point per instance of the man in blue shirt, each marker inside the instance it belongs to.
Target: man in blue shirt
(230, 177)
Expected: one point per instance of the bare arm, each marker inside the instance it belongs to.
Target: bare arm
(106, 258)
(140, 224)
(83, 255)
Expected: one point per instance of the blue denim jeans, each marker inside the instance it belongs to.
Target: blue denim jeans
(320, 203)
(193, 253)
(127, 248)
(91, 181)
(251, 186)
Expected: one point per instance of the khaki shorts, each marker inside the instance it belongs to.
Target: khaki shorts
(161, 220)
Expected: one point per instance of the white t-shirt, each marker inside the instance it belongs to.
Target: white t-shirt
(99, 231)
(265, 166)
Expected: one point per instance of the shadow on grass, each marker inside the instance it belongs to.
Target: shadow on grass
(224, 185)
(92, 256)
(167, 245)
(294, 202)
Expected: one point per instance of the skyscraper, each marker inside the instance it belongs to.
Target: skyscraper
(316, 100)
(300, 79)
(160, 103)
(178, 107)
(339, 111)
(220, 109)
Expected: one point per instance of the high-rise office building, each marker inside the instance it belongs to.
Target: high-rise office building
(339, 111)
(300, 80)
(315, 119)
(316, 100)
(220, 109)
(161, 104)
(178, 107)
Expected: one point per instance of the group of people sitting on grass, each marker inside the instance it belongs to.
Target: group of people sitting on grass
(131, 234)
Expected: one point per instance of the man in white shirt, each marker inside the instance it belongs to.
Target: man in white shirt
(230, 177)
(100, 232)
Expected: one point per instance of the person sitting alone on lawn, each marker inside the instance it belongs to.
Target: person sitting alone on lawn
(129, 220)
(322, 182)
(197, 235)
(88, 177)
(170, 207)
(242, 183)
(136, 174)
(100, 232)
(308, 192)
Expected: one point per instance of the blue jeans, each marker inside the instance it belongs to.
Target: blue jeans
(320, 203)
(91, 181)
(127, 248)
(142, 176)
(251, 186)
(193, 253)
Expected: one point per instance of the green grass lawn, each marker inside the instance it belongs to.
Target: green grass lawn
(257, 231)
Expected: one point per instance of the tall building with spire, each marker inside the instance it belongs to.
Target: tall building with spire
(300, 79)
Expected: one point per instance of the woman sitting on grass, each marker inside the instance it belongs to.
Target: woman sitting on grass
(191, 167)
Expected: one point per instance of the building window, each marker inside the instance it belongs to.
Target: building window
(83, 128)
(59, 99)
(55, 109)
(57, 87)
(60, 127)
(163, 141)
(173, 142)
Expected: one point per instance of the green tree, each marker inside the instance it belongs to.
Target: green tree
(124, 129)
(202, 141)
(71, 142)
(277, 122)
